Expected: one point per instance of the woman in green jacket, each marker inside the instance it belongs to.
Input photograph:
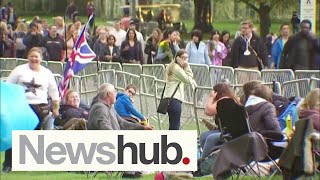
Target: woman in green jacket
(178, 73)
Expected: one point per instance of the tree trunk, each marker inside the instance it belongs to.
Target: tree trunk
(202, 16)
(265, 20)
(111, 9)
(236, 8)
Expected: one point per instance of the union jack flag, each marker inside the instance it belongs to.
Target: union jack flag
(80, 56)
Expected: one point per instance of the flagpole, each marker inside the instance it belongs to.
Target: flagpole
(73, 66)
(65, 37)
(93, 32)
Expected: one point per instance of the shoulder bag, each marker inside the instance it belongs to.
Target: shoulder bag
(165, 102)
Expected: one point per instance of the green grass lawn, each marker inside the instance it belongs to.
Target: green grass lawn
(65, 175)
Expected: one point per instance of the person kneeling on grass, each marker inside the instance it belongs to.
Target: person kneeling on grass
(124, 106)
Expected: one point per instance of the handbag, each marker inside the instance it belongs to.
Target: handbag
(165, 102)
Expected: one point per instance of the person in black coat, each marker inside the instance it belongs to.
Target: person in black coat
(33, 38)
(247, 49)
(300, 50)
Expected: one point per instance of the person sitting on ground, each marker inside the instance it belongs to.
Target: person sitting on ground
(124, 106)
(102, 115)
(72, 115)
(310, 108)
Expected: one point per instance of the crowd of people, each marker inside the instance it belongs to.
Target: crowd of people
(37, 41)
(124, 42)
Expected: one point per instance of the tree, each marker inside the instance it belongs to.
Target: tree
(202, 15)
(263, 8)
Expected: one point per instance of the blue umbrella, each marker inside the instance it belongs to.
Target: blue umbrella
(15, 113)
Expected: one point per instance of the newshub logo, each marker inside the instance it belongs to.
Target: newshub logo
(104, 150)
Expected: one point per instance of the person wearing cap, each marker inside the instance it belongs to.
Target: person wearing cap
(133, 26)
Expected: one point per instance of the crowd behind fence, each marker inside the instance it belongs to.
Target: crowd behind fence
(150, 80)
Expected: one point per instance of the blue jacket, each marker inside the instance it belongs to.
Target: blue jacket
(198, 55)
(276, 52)
(125, 108)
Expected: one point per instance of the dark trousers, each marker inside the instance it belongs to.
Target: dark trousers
(8, 158)
(41, 110)
(174, 112)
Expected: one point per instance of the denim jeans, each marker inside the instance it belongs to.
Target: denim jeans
(174, 112)
(48, 122)
(208, 140)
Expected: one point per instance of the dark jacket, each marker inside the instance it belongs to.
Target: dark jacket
(115, 53)
(102, 49)
(298, 53)
(262, 116)
(55, 47)
(150, 47)
(239, 47)
(32, 41)
(125, 55)
(67, 112)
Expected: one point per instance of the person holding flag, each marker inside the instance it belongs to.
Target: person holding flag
(80, 56)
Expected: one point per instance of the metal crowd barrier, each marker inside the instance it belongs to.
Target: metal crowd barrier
(221, 73)
(243, 76)
(132, 68)
(278, 75)
(157, 70)
(301, 74)
(201, 74)
(297, 88)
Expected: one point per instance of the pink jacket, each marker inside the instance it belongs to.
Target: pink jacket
(219, 53)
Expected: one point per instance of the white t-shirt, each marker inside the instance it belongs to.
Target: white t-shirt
(37, 85)
(120, 36)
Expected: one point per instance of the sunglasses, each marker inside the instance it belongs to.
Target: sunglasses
(131, 92)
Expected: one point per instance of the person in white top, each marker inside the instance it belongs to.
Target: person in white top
(39, 83)
(118, 33)
(139, 35)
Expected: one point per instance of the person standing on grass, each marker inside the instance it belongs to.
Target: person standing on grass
(217, 50)
(225, 39)
(247, 49)
(278, 45)
(54, 44)
(178, 73)
(152, 45)
(300, 50)
(118, 33)
(197, 50)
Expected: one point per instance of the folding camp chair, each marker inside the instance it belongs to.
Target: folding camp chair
(234, 123)
(298, 158)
